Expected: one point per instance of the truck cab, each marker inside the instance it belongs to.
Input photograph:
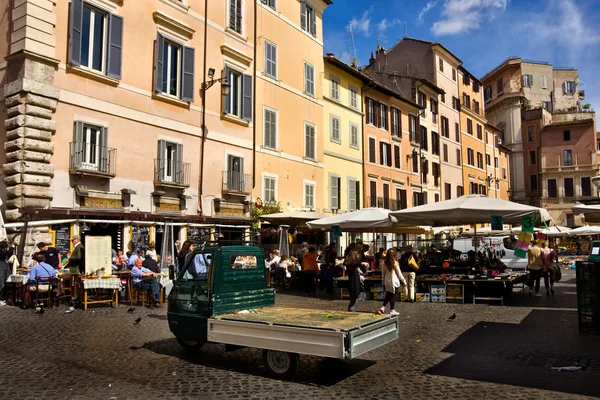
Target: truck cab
(234, 279)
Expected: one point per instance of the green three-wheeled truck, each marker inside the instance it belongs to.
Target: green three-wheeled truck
(221, 296)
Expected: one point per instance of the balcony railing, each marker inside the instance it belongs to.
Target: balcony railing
(558, 162)
(237, 183)
(169, 172)
(91, 159)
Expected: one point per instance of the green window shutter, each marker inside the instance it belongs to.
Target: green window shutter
(158, 64)
(115, 46)
(75, 32)
(187, 74)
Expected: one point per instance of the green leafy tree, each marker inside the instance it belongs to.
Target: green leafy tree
(259, 208)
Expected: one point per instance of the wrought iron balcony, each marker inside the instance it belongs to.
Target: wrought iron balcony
(237, 183)
(169, 172)
(92, 159)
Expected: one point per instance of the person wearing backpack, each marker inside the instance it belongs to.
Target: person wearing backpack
(409, 267)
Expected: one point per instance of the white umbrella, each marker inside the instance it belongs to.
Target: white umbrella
(471, 209)
(591, 212)
(291, 217)
(585, 230)
(366, 220)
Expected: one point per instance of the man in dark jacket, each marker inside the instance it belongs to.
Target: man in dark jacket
(77, 259)
(151, 264)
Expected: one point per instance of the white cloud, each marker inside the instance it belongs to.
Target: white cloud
(462, 16)
(425, 10)
(387, 24)
(363, 24)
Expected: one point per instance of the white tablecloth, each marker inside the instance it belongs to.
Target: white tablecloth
(18, 278)
(165, 282)
(102, 283)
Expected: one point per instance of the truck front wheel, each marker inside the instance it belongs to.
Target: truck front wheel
(190, 344)
(281, 364)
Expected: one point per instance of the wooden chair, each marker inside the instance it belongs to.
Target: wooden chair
(68, 289)
(43, 291)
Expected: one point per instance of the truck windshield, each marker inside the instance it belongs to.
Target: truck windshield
(197, 267)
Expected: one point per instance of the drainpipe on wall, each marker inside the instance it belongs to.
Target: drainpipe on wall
(203, 127)
(254, 102)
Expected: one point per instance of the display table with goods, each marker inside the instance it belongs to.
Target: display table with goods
(478, 287)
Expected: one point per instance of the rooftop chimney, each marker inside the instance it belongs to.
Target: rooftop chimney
(329, 54)
(372, 59)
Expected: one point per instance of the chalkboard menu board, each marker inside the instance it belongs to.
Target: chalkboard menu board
(62, 237)
(140, 236)
(198, 235)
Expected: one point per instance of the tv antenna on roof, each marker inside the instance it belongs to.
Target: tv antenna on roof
(351, 47)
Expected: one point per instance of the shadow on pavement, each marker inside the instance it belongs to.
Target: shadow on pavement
(313, 370)
(524, 354)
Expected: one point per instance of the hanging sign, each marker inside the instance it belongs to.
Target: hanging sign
(497, 222)
(523, 244)
(336, 230)
(527, 223)
(520, 253)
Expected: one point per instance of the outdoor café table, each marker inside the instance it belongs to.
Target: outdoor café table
(113, 284)
(17, 282)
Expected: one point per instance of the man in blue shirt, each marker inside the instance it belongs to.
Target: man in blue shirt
(199, 266)
(41, 270)
(144, 279)
(134, 257)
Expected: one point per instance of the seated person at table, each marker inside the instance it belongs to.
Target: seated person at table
(41, 269)
(144, 279)
(151, 264)
(119, 261)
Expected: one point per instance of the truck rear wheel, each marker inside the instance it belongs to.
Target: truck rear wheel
(190, 344)
(281, 364)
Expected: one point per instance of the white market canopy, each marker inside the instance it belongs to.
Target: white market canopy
(471, 209)
(585, 231)
(366, 220)
(591, 212)
(291, 217)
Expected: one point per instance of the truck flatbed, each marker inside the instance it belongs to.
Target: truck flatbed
(307, 318)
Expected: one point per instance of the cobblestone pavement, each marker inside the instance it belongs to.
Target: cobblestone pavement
(488, 352)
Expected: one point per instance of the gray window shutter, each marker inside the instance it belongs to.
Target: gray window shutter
(247, 97)
(115, 46)
(232, 14)
(75, 34)
(313, 23)
(227, 105)
(303, 15)
(158, 66)
(104, 161)
(178, 163)
(160, 160)
(333, 195)
(77, 150)
(187, 74)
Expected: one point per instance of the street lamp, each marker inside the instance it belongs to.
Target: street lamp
(225, 89)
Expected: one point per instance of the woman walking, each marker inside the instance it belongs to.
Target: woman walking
(391, 280)
(352, 263)
(549, 257)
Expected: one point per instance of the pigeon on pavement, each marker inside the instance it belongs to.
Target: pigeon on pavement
(137, 321)
(131, 310)
(452, 317)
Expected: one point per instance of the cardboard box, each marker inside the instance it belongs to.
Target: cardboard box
(438, 289)
(438, 298)
(422, 297)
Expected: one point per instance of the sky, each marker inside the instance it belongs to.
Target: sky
(482, 33)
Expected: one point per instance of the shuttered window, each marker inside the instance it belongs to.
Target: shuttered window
(413, 129)
(397, 160)
(370, 111)
(270, 3)
(270, 59)
(353, 135)
(335, 129)
(372, 150)
(445, 152)
(308, 18)
(270, 129)
(586, 187)
(174, 69)
(169, 162)
(309, 79)
(235, 15)
(334, 192)
(552, 188)
(309, 195)
(89, 150)
(353, 193)
(310, 142)
(447, 191)
(270, 189)
(96, 39)
(239, 100)
(457, 131)
(373, 194)
(396, 122)
(334, 88)
(435, 144)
